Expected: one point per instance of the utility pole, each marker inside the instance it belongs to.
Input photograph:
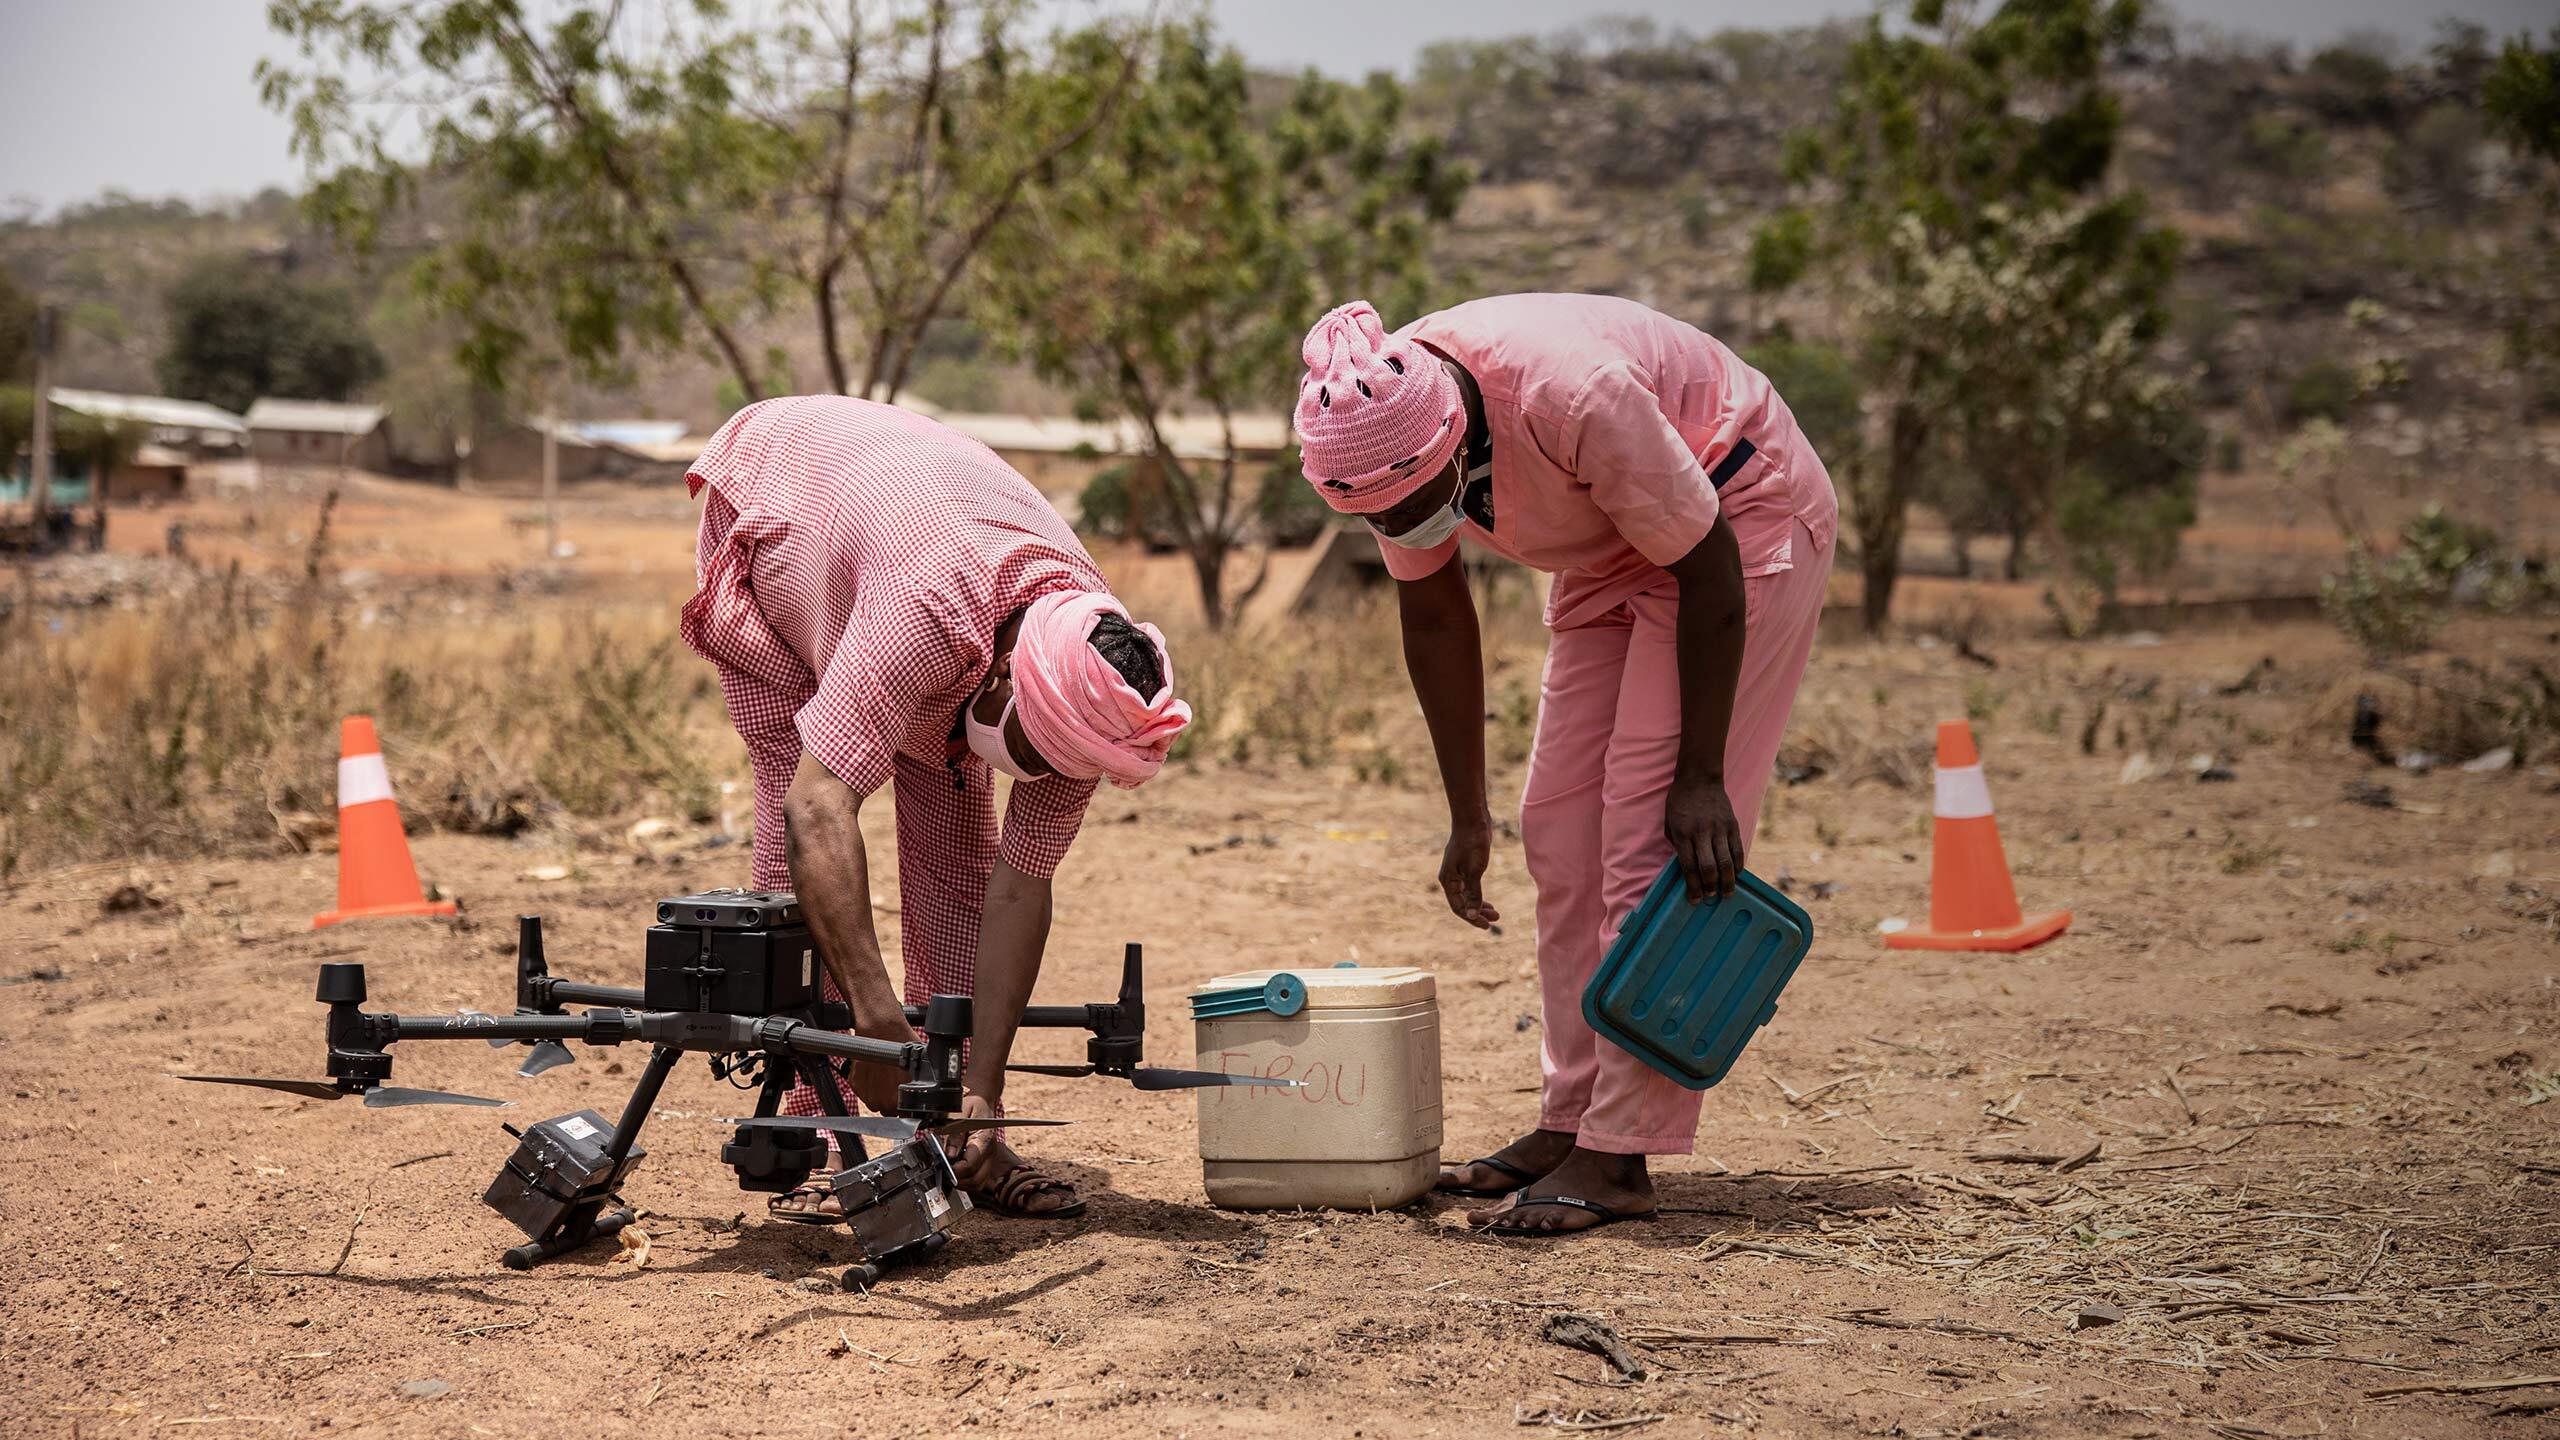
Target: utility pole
(40, 465)
(550, 486)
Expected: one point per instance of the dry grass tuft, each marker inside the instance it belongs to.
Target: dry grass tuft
(207, 721)
(1332, 689)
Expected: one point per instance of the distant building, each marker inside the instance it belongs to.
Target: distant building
(1060, 455)
(319, 434)
(587, 450)
(652, 439)
(173, 434)
(190, 426)
(155, 475)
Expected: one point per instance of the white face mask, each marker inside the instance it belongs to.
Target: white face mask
(987, 741)
(1442, 524)
(1430, 533)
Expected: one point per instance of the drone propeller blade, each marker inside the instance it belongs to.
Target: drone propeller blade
(971, 1125)
(385, 1097)
(878, 1127)
(1148, 1077)
(881, 1127)
(547, 1055)
(308, 1089)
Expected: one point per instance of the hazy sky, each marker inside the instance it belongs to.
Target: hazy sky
(154, 96)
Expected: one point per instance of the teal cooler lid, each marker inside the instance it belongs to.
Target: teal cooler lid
(1685, 986)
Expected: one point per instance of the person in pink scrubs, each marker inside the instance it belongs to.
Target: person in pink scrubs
(1689, 528)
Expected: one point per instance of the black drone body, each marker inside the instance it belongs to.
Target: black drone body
(734, 975)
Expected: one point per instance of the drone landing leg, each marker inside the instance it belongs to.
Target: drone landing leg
(822, 1078)
(778, 1074)
(584, 1227)
(592, 1222)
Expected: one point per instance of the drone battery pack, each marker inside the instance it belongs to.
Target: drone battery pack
(558, 1165)
(899, 1204)
(738, 952)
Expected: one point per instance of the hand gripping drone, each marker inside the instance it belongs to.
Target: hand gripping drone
(732, 974)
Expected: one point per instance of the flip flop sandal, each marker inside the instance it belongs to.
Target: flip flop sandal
(1021, 1183)
(818, 1190)
(1522, 1177)
(1572, 1202)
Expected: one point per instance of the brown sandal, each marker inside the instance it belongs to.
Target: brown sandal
(1021, 1183)
(818, 1190)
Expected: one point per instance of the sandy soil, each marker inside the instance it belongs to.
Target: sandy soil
(2300, 1034)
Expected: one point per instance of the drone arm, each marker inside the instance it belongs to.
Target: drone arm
(1118, 1028)
(572, 992)
(791, 1037)
(1038, 1017)
(594, 1027)
(539, 991)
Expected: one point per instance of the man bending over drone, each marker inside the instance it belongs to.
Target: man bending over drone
(890, 603)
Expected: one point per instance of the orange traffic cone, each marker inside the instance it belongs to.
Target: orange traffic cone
(375, 873)
(1972, 903)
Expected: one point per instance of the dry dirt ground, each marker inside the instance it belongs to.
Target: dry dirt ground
(2271, 1103)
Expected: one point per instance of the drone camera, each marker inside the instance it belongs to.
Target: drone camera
(559, 1166)
(731, 951)
(774, 1159)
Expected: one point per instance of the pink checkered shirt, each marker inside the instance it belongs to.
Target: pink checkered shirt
(855, 560)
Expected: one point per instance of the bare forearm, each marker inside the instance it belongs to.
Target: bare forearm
(831, 872)
(1708, 636)
(1444, 653)
(1012, 935)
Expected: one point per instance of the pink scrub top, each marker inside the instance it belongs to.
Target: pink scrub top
(1611, 425)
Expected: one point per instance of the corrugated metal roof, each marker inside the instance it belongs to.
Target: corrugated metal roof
(630, 432)
(157, 410)
(679, 451)
(1191, 437)
(658, 441)
(314, 417)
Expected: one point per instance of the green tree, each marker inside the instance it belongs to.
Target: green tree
(2521, 96)
(1952, 136)
(239, 329)
(1821, 386)
(1182, 265)
(2128, 492)
(17, 332)
(435, 405)
(2051, 329)
(632, 182)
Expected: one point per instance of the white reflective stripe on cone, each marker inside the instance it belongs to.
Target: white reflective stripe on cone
(1962, 794)
(362, 778)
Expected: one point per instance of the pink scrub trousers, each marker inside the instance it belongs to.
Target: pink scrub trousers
(1591, 820)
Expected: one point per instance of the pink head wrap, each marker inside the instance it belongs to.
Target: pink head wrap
(1377, 413)
(1078, 712)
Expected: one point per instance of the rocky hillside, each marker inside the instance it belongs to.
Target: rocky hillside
(2351, 234)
